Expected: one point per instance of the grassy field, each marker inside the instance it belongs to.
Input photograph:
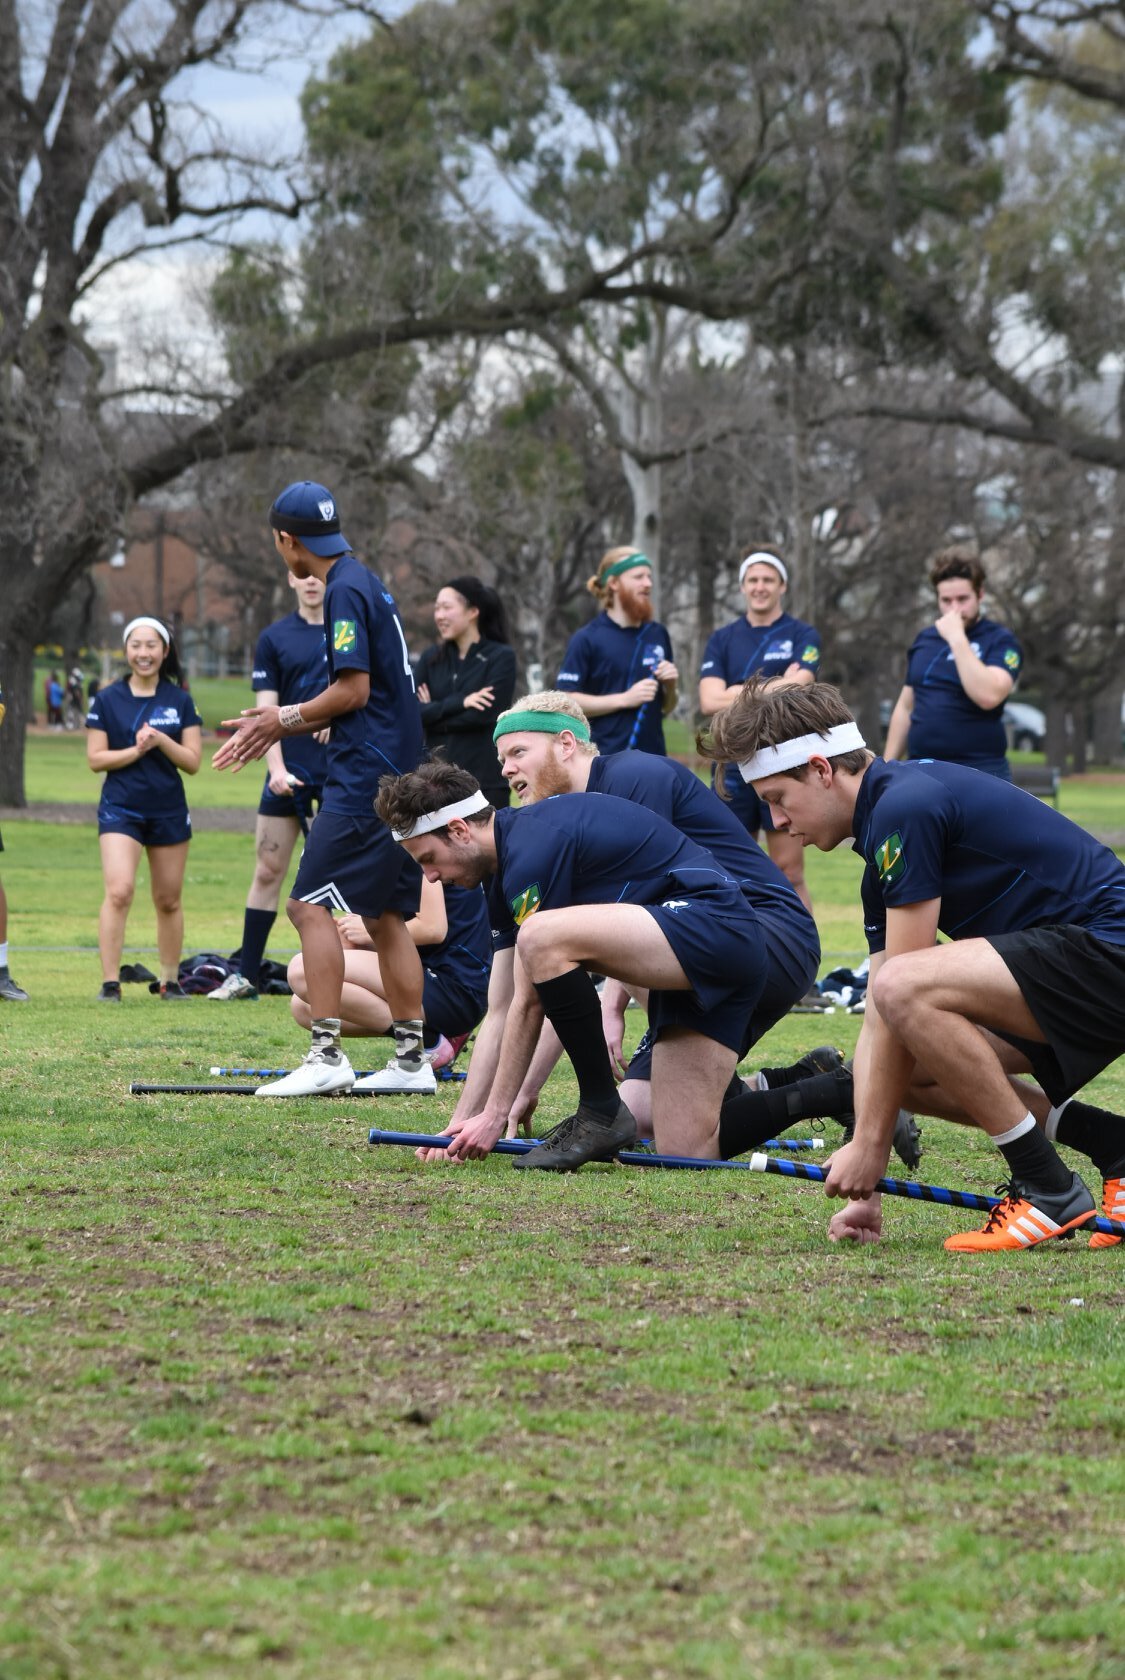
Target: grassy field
(274, 1402)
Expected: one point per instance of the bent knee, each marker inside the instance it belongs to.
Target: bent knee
(295, 974)
(896, 989)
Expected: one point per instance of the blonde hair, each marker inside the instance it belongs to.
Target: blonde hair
(555, 701)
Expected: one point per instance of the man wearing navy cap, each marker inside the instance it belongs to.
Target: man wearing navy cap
(350, 862)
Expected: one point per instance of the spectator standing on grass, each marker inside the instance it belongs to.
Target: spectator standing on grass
(959, 672)
(350, 862)
(769, 643)
(290, 666)
(619, 666)
(1031, 979)
(54, 691)
(467, 679)
(145, 734)
(454, 940)
(8, 988)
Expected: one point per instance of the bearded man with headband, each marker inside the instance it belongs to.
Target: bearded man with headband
(590, 882)
(619, 666)
(1034, 981)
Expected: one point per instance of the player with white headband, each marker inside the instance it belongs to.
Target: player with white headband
(765, 641)
(1035, 981)
(582, 882)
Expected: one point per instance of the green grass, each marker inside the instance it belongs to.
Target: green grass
(274, 1402)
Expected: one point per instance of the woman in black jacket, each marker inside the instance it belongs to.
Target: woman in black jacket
(467, 679)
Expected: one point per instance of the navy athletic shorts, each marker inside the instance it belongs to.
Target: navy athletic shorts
(1074, 985)
(449, 1006)
(302, 802)
(721, 948)
(791, 965)
(351, 863)
(170, 828)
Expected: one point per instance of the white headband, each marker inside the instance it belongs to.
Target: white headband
(761, 559)
(787, 755)
(438, 819)
(147, 624)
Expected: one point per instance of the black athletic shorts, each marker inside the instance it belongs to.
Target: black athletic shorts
(1074, 985)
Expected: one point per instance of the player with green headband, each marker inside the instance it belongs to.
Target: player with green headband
(619, 667)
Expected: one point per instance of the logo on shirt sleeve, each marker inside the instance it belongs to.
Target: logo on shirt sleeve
(811, 655)
(1012, 659)
(525, 903)
(343, 635)
(890, 860)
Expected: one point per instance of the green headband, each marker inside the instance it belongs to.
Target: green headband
(543, 723)
(630, 562)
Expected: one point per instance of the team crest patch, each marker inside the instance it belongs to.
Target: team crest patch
(1012, 659)
(343, 635)
(890, 860)
(525, 903)
(810, 655)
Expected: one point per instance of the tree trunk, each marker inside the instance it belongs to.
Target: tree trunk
(1107, 728)
(1055, 744)
(17, 661)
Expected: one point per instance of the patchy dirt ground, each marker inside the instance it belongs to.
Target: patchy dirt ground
(222, 820)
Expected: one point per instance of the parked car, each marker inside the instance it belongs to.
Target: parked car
(1026, 726)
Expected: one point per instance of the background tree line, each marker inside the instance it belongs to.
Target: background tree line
(844, 277)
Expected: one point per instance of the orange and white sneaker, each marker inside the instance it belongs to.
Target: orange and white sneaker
(1113, 1207)
(1026, 1217)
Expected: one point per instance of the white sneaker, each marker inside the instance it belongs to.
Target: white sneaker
(394, 1077)
(316, 1077)
(234, 986)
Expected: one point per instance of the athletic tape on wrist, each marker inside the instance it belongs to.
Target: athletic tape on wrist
(290, 717)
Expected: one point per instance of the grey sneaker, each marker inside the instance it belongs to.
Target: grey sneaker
(584, 1136)
(234, 986)
(9, 989)
(826, 1058)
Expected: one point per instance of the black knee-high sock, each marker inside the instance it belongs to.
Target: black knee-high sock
(750, 1119)
(571, 1005)
(256, 925)
(1096, 1133)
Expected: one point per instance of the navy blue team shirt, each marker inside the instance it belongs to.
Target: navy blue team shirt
(384, 737)
(592, 848)
(608, 658)
(999, 859)
(152, 786)
(740, 650)
(945, 723)
(291, 659)
(675, 793)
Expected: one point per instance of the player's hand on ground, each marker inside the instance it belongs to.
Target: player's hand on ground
(855, 1170)
(480, 700)
(860, 1221)
(641, 692)
(519, 1115)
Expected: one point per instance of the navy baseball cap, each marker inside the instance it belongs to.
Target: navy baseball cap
(308, 511)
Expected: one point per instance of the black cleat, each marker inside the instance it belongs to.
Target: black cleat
(171, 991)
(826, 1058)
(585, 1136)
(907, 1140)
(9, 989)
(110, 992)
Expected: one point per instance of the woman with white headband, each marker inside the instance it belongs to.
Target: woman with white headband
(770, 643)
(143, 732)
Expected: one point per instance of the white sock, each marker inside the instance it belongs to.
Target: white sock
(1020, 1129)
(4, 954)
(1054, 1115)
